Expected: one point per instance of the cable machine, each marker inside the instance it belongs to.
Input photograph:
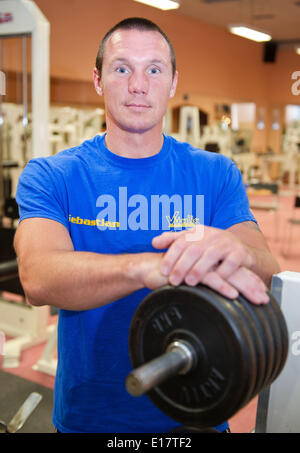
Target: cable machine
(24, 123)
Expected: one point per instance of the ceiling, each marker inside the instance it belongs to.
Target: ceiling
(280, 18)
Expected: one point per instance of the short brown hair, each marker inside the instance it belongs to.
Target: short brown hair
(134, 23)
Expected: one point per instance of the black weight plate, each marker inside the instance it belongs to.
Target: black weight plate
(215, 389)
(247, 385)
(253, 347)
(284, 338)
(256, 337)
(267, 338)
(262, 350)
(276, 334)
(192, 429)
(259, 339)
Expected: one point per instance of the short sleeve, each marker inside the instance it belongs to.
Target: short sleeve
(232, 204)
(40, 192)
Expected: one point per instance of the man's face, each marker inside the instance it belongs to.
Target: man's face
(136, 80)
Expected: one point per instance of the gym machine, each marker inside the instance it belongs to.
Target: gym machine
(24, 324)
(212, 138)
(18, 420)
(21, 21)
(278, 405)
(189, 125)
(24, 21)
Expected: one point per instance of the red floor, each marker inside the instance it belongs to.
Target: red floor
(244, 420)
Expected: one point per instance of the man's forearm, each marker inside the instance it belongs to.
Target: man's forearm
(80, 280)
(265, 265)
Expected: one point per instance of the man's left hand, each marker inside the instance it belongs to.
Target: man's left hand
(216, 258)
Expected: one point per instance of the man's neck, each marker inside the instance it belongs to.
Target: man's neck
(134, 145)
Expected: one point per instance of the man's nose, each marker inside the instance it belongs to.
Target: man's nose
(138, 83)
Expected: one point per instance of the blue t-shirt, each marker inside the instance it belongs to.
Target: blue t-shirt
(111, 205)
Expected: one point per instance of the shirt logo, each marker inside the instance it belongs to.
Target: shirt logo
(178, 222)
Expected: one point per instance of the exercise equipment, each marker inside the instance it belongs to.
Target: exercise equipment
(201, 357)
(24, 134)
(8, 269)
(18, 420)
(47, 362)
(24, 20)
(189, 124)
(69, 127)
(27, 325)
(28, 20)
(278, 404)
(2, 92)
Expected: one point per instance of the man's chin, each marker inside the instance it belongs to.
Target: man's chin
(135, 128)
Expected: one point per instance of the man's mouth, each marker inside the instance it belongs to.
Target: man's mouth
(137, 106)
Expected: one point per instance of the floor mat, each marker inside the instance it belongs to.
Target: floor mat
(13, 392)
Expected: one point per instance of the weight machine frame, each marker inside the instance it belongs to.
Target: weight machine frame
(278, 404)
(27, 19)
(22, 18)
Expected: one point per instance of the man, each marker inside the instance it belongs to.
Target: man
(96, 232)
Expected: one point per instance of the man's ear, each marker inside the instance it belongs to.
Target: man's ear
(174, 84)
(97, 82)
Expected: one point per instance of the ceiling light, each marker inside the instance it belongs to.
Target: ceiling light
(249, 33)
(298, 50)
(161, 4)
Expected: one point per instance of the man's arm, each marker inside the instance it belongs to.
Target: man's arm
(52, 273)
(232, 261)
(264, 264)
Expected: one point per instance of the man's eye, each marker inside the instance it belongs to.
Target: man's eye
(154, 71)
(122, 70)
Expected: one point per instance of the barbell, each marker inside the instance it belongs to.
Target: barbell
(201, 357)
(8, 269)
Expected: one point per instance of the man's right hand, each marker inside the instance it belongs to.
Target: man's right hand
(150, 273)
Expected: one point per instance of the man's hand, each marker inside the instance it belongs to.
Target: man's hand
(149, 272)
(217, 259)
